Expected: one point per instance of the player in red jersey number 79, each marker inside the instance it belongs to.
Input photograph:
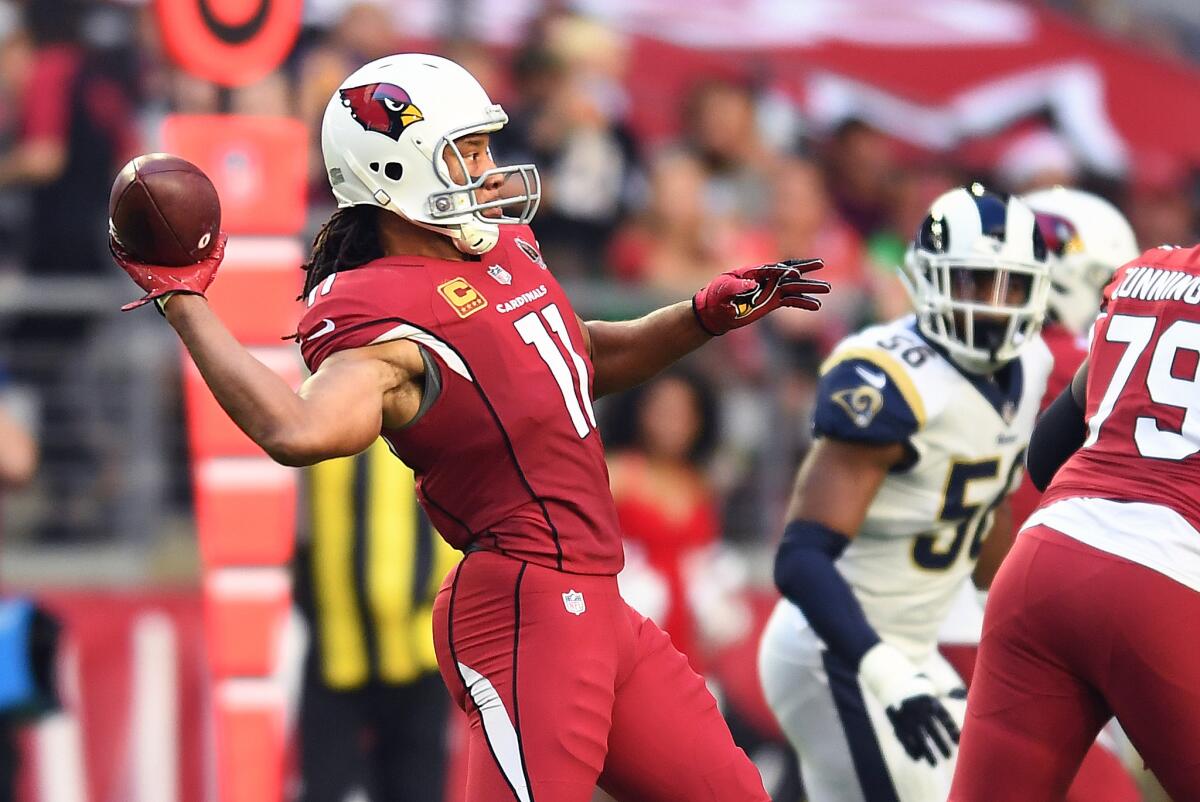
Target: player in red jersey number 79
(1093, 613)
(432, 319)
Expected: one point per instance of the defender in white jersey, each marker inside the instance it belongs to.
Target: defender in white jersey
(921, 425)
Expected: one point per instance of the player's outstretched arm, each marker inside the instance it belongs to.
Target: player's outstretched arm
(338, 411)
(628, 353)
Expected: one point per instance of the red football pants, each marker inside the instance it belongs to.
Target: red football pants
(1101, 777)
(566, 687)
(1072, 636)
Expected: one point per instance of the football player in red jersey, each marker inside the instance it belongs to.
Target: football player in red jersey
(433, 321)
(1093, 613)
(1088, 239)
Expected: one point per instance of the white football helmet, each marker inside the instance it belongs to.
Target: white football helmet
(384, 136)
(978, 277)
(1088, 239)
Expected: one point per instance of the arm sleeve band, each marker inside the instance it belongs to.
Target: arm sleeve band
(1059, 433)
(806, 576)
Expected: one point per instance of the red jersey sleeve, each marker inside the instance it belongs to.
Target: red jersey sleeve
(353, 309)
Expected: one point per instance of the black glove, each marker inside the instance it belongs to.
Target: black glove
(911, 702)
(920, 721)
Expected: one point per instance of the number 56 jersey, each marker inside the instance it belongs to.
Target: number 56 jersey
(965, 438)
(505, 446)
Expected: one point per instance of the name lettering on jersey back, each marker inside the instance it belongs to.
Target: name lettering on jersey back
(1156, 284)
(522, 299)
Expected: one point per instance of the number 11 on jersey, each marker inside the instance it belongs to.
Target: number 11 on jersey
(533, 332)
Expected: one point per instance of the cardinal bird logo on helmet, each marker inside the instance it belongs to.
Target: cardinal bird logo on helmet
(383, 108)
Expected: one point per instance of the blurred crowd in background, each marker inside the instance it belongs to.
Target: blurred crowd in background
(702, 458)
(641, 206)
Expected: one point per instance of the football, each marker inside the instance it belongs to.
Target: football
(163, 210)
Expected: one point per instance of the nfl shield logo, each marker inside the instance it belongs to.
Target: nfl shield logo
(500, 274)
(573, 601)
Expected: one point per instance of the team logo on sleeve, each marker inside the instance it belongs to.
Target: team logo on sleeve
(465, 299)
(573, 601)
(862, 404)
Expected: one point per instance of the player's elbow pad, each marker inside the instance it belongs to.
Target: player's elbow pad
(1059, 433)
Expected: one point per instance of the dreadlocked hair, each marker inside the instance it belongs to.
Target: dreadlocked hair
(348, 240)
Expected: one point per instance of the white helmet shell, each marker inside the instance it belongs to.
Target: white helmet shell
(1088, 239)
(385, 137)
(978, 277)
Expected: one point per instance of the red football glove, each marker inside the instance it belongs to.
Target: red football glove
(743, 295)
(159, 281)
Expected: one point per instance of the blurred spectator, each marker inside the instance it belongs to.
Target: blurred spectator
(167, 88)
(14, 60)
(30, 638)
(1159, 204)
(18, 450)
(914, 191)
(1039, 159)
(802, 224)
(568, 118)
(721, 132)
(270, 96)
(477, 59)
(678, 240)
(18, 453)
(363, 33)
(75, 124)
(861, 169)
(373, 709)
(18, 460)
(75, 132)
(659, 436)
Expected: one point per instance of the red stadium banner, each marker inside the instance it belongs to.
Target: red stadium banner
(229, 42)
